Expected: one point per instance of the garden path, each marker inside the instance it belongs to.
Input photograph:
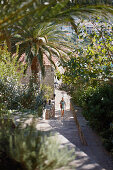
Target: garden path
(91, 157)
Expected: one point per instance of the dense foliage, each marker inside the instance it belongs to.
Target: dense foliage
(93, 62)
(10, 68)
(97, 107)
(14, 95)
(89, 76)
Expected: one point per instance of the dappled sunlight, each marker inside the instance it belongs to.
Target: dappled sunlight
(87, 157)
(43, 127)
(66, 132)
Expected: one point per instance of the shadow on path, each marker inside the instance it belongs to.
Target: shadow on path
(93, 156)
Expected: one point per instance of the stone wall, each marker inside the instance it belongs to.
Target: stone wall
(49, 78)
(49, 111)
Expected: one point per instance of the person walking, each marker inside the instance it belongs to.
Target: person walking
(62, 106)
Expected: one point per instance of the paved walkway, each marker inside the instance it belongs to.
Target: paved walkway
(91, 157)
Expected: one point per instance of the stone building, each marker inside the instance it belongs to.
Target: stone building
(48, 79)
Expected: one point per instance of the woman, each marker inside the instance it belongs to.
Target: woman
(62, 105)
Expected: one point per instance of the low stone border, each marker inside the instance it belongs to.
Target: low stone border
(49, 111)
(82, 138)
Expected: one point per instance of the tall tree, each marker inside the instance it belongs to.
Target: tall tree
(93, 62)
(44, 39)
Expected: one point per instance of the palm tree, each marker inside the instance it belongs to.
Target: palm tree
(42, 40)
(26, 20)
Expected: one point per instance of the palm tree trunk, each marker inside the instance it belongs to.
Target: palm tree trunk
(35, 69)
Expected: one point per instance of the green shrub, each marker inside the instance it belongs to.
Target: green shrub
(16, 96)
(28, 149)
(97, 104)
(107, 136)
(10, 68)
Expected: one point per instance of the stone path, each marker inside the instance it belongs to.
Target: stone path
(91, 157)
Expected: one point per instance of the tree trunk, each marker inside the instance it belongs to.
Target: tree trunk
(35, 68)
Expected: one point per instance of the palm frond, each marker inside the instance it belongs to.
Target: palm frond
(58, 48)
(50, 55)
